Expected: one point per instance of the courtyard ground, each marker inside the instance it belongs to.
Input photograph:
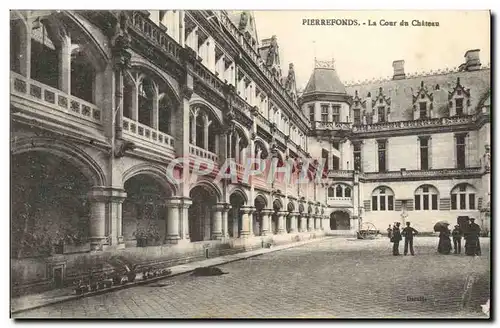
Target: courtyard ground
(332, 278)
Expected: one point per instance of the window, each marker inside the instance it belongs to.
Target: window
(336, 113)
(347, 192)
(357, 116)
(460, 154)
(382, 199)
(311, 113)
(357, 157)
(381, 114)
(324, 113)
(423, 110)
(331, 192)
(336, 163)
(426, 198)
(424, 153)
(463, 197)
(338, 191)
(381, 155)
(459, 106)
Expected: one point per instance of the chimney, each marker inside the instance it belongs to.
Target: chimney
(472, 62)
(399, 69)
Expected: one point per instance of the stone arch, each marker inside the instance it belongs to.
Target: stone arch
(263, 144)
(210, 187)
(155, 171)
(262, 200)
(209, 108)
(340, 219)
(76, 156)
(240, 192)
(277, 204)
(155, 72)
(242, 131)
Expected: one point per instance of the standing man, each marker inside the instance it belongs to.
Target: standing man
(457, 239)
(474, 232)
(408, 232)
(396, 238)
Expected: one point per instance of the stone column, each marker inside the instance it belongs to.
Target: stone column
(266, 218)
(310, 222)
(302, 222)
(281, 222)
(98, 198)
(193, 128)
(184, 219)
(156, 108)
(246, 211)
(225, 228)
(294, 222)
(317, 223)
(172, 221)
(25, 47)
(217, 228)
(65, 63)
(116, 198)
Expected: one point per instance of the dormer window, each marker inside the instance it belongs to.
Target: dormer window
(459, 106)
(381, 114)
(423, 109)
(357, 116)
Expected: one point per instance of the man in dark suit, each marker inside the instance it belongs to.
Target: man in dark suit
(396, 238)
(457, 239)
(408, 232)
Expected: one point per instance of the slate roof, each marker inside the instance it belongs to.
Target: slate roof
(324, 80)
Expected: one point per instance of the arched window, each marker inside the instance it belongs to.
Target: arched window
(463, 197)
(347, 192)
(383, 199)
(146, 95)
(426, 198)
(200, 127)
(331, 192)
(338, 191)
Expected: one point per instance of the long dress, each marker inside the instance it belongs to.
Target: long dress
(444, 246)
(472, 240)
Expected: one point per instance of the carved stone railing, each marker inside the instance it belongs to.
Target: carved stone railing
(263, 122)
(154, 33)
(338, 126)
(431, 174)
(202, 153)
(144, 132)
(242, 105)
(54, 99)
(432, 122)
(348, 174)
(209, 78)
(340, 199)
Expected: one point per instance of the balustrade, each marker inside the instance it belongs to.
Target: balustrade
(54, 99)
(142, 131)
(202, 153)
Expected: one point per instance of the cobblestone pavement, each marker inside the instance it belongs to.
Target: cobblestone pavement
(334, 278)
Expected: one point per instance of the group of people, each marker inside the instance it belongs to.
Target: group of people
(396, 235)
(470, 233)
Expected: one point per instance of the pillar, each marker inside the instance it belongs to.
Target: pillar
(281, 222)
(65, 63)
(266, 220)
(193, 128)
(155, 113)
(172, 221)
(25, 47)
(184, 219)
(225, 228)
(98, 198)
(294, 222)
(116, 198)
(310, 222)
(302, 222)
(317, 223)
(217, 226)
(246, 211)
(134, 115)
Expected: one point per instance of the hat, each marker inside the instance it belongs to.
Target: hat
(471, 219)
(457, 226)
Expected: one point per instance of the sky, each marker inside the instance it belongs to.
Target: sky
(366, 52)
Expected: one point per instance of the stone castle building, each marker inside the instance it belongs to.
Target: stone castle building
(102, 102)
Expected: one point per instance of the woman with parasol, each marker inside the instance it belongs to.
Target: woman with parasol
(444, 245)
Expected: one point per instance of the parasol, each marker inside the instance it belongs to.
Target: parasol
(441, 225)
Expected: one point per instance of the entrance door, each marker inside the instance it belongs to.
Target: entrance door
(341, 221)
(58, 277)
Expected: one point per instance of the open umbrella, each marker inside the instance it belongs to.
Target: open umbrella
(441, 225)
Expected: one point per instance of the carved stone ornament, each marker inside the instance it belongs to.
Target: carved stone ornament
(187, 92)
(120, 42)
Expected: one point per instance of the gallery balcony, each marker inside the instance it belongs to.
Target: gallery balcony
(412, 175)
(32, 100)
(148, 138)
